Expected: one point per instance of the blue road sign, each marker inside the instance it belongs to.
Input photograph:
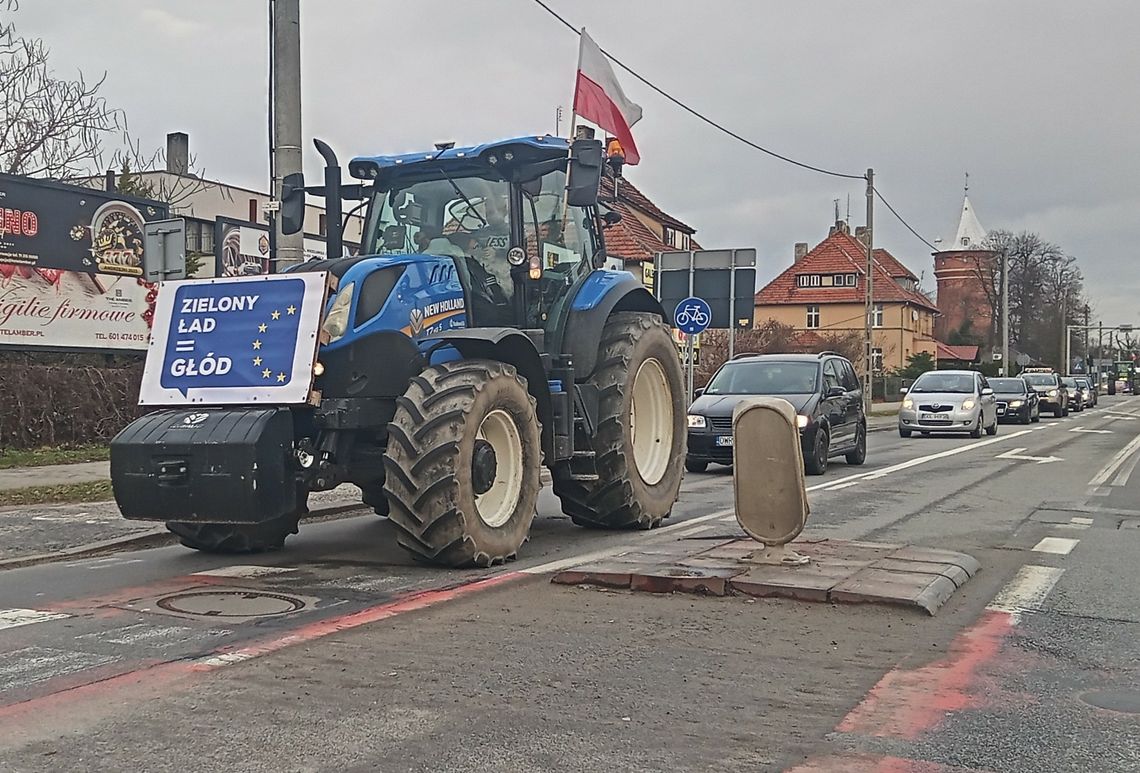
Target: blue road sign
(692, 315)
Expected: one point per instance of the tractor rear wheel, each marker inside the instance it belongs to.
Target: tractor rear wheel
(240, 537)
(639, 444)
(462, 464)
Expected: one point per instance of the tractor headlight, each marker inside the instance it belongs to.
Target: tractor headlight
(968, 404)
(697, 422)
(336, 321)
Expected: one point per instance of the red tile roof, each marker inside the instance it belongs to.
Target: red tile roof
(893, 266)
(963, 353)
(628, 193)
(840, 253)
(631, 239)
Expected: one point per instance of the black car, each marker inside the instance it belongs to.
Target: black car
(1016, 400)
(1076, 398)
(823, 388)
(1052, 394)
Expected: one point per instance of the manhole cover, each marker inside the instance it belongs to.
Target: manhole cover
(230, 603)
(1127, 701)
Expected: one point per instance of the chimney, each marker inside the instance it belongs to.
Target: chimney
(178, 153)
(861, 234)
(801, 250)
(840, 226)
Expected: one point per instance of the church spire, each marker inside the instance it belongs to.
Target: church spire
(970, 232)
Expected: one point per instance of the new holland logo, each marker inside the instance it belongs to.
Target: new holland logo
(416, 321)
(195, 419)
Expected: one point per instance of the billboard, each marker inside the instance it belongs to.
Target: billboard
(242, 248)
(71, 267)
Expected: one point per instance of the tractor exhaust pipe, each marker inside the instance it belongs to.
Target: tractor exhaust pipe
(334, 237)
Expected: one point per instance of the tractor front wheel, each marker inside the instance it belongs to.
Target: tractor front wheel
(462, 464)
(639, 444)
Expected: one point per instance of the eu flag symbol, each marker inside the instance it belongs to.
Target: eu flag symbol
(236, 334)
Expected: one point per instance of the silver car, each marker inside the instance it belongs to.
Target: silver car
(949, 401)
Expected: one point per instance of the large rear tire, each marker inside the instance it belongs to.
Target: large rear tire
(639, 445)
(240, 538)
(462, 464)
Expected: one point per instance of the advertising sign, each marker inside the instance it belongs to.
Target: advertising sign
(235, 340)
(71, 267)
(242, 248)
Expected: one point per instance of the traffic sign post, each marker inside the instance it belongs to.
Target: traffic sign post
(691, 316)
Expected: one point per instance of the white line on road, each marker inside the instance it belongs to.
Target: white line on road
(1091, 431)
(1015, 453)
(1115, 462)
(1082, 521)
(1060, 546)
(941, 455)
(1027, 591)
(13, 618)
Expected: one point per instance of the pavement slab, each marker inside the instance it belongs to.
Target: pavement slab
(840, 571)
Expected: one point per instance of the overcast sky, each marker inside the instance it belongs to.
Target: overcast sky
(1039, 100)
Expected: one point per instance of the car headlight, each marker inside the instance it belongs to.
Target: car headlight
(1016, 403)
(336, 321)
(697, 422)
(801, 420)
(968, 404)
(1052, 393)
(908, 403)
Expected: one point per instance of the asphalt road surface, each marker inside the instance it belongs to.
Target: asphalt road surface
(339, 654)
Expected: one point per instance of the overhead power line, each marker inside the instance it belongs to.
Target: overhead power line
(697, 114)
(736, 136)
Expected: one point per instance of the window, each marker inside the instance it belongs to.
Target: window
(876, 360)
(877, 315)
(322, 228)
(813, 316)
(815, 280)
(803, 280)
(839, 280)
(830, 375)
(851, 278)
(850, 380)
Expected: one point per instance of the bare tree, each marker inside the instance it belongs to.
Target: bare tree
(49, 126)
(144, 175)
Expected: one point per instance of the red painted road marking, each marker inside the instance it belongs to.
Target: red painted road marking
(873, 763)
(909, 702)
(166, 673)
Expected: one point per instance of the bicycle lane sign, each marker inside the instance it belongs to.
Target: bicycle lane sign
(692, 315)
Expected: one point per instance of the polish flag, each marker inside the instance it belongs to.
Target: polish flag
(599, 99)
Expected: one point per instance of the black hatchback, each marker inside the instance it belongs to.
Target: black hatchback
(823, 389)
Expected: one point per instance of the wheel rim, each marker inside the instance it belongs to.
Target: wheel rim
(497, 504)
(651, 421)
(821, 445)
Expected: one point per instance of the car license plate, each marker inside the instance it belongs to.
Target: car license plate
(724, 440)
(1001, 411)
(933, 417)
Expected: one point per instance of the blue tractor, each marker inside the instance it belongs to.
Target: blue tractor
(474, 339)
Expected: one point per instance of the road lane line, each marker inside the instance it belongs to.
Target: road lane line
(1115, 462)
(941, 455)
(1081, 521)
(1126, 471)
(1059, 546)
(14, 618)
(1027, 591)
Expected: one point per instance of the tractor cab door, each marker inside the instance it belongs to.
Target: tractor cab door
(556, 235)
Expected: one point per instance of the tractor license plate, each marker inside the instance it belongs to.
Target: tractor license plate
(724, 440)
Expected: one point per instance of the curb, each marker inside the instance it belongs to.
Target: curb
(152, 538)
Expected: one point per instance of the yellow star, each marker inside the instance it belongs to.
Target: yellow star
(257, 344)
(275, 315)
(281, 378)
(262, 327)
(266, 373)
(292, 310)
(256, 361)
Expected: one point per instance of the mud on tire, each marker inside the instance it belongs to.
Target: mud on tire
(447, 440)
(625, 496)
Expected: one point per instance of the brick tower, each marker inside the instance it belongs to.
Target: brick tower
(958, 271)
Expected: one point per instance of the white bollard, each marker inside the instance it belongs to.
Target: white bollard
(768, 477)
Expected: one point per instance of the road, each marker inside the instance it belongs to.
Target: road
(339, 654)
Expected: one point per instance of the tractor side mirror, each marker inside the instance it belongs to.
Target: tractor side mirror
(292, 212)
(585, 173)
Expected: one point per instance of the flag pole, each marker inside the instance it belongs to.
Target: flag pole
(569, 150)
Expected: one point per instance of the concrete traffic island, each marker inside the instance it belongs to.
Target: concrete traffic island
(772, 508)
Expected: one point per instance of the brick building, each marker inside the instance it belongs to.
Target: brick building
(966, 312)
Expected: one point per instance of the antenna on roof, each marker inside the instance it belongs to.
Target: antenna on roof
(836, 209)
(848, 207)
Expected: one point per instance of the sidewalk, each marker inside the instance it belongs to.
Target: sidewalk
(54, 475)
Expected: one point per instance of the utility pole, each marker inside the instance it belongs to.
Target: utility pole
(1006, 370)
(1100, 351)
(869, 307)
(286, 111)
(1065, 333)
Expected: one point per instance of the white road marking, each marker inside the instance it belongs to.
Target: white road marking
(227, 659)
(1119, 416)
(153, 636)
(14, 618)
(20, 668)
(1027, 591)
(1115, 462)
(1060, 546)
(244, 571)
(1015, 453)
(1082, 521)
(1091, 431)
(1126, 471)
